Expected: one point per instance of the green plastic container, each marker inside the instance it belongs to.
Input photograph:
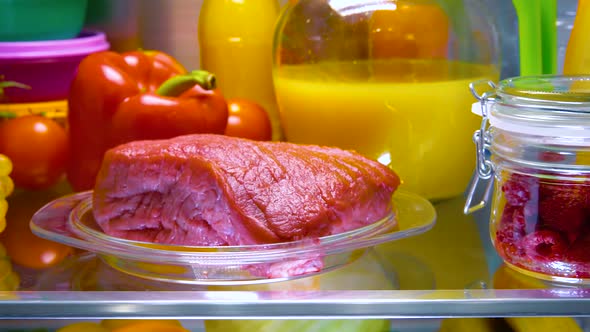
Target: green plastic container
(34, 20)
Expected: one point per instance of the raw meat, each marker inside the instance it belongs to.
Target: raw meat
(209, 190)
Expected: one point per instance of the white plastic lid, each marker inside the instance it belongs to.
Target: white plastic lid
(552, 106)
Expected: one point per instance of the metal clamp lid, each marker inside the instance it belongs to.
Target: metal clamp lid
(481, 138)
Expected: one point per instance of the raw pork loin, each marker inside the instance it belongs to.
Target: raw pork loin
(207, 190)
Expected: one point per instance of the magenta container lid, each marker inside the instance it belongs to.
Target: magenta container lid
(87, 42)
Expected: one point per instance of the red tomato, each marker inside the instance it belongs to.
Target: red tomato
(247, 119)
(38, 149)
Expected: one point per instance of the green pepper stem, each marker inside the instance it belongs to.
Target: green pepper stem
(11, 84)
(176, 85)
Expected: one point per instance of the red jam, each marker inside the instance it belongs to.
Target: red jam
(544, 226)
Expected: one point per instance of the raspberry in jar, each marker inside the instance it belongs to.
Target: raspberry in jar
(533, 152)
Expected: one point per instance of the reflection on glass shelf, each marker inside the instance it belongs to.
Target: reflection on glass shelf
(297, 304)
(87, 272)
(452, 252)
(445, 272)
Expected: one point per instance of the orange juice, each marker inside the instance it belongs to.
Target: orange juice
(421, 129)
(235, 41)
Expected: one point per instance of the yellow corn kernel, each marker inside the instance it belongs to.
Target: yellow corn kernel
(5, 165)
(3, 209)
(6, 186)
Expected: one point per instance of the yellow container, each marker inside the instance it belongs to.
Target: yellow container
(56, 110)
(235, 40)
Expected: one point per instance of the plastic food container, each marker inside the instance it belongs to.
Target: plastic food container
(47, 67)
(69, 220)
(31, 20)
(388, 79)
(536, 149)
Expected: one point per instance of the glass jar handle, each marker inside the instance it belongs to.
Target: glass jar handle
(484, 170)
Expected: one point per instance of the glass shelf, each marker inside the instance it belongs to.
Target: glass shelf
(449, 271)
(297, 305)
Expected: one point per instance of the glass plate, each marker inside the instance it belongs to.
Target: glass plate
(87, 272)
(69, 220)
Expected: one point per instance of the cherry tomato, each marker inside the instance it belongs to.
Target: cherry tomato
(22, 246)
(37, 147)
(247, 119)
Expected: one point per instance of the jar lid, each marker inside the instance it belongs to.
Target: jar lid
(548, 88)
(546, 105)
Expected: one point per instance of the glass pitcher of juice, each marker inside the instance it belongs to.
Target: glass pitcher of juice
(389, 79)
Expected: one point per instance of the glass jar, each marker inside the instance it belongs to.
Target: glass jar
(534, 144)
(389, 79)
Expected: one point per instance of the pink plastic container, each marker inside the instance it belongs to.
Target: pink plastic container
(48, 67)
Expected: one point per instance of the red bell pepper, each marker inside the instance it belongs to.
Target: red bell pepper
(118, 98)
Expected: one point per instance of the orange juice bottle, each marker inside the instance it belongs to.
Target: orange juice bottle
(235, 41)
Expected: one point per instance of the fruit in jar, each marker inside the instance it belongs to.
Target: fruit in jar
(564, 205)
(517, 191)
(545, 245)
(248, 119)
(511, 230)
(579, 250)
(38, 149)
(544, 226)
